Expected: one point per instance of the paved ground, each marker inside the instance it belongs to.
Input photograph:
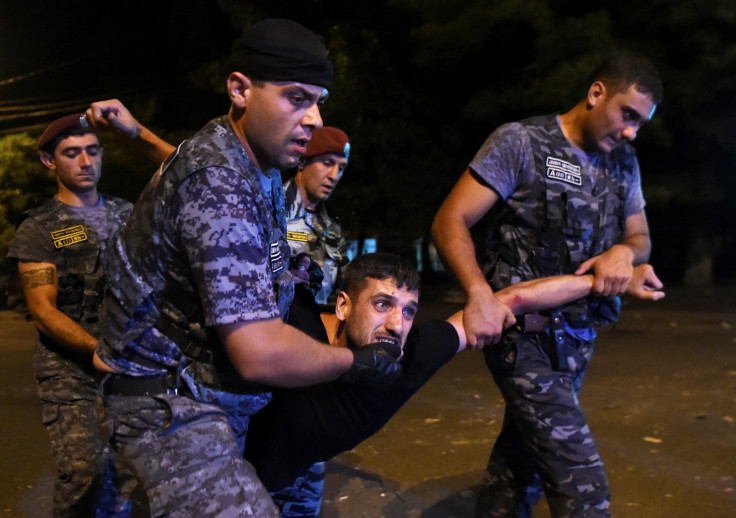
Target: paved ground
(660, 398)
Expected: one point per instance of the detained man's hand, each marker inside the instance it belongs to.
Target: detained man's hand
(645, 284)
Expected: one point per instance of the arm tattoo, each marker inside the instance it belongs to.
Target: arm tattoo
(40, 277)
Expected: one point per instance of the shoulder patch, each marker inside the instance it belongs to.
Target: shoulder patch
(275, 258)
(558, 169)
(69, 236)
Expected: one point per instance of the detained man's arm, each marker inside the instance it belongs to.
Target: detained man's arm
(613, 268)
(550, 292)
(485, 317)
(275, 353)
(113, 115)
(41, 288)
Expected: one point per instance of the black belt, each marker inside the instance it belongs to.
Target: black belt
(124, 385)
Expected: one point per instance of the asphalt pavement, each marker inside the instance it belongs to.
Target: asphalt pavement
(660, 398)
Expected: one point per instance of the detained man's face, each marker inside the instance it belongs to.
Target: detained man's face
(77, 162)
(280, 119)
(381, 312)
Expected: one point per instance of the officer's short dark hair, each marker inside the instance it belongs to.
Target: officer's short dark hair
(380, 266)
(619, 71)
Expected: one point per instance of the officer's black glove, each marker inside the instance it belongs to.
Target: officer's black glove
(375, 364)
(316, 275)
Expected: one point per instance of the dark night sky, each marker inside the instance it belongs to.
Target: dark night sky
(56, 56)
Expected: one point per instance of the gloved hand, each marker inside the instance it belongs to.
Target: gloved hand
(374, 364)
(303, 267)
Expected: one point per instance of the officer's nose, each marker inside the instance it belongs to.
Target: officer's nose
(629, 132)
(334, 173)
(84, 160)
(312, 117)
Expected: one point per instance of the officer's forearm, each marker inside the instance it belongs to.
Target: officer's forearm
(274, 353)
(152, 145)
(455, 245)
(63, 330)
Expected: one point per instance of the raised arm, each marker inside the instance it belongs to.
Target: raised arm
(113, 115)
(485, 316)
(550, 292)
(41, 287)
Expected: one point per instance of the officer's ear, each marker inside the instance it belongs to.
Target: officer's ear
(238, 89)
(48, 160)
(343, 306)
(596, 93)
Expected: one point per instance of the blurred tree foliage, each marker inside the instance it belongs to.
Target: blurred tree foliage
(24, 182)
(420, 84)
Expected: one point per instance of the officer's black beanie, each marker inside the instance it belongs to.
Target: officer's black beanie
(282, 50)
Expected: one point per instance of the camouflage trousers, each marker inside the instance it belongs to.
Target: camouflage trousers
(303, 498)
(545, 443)
(186, 456)
(87, 483)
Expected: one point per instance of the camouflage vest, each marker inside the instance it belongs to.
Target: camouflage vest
(144, 281)
(316, 234)
(81, 264)
(568, 215)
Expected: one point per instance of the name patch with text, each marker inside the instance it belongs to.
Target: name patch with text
(564, 171)
(297, 236)
(69, 236)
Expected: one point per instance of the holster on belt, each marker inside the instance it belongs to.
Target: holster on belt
(553, 326)
(558, 335)
(534, 323)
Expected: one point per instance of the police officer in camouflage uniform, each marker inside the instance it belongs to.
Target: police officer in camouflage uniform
(310, 228)
(193, 332)
(565, 194)
(61, 247)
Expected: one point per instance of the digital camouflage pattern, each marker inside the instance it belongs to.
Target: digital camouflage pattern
(559, 206)
(303, 498)
(184, 454)
(317, 234)
(208, 231)
(75, 241)
(205, 246)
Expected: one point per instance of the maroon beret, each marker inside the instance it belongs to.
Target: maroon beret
(328, 141)
(73, 123)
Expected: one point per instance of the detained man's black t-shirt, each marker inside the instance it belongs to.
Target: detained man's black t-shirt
(305, 425)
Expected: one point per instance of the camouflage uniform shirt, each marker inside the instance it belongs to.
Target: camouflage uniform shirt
(546, 183)
(208, 229)
(317, 234)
